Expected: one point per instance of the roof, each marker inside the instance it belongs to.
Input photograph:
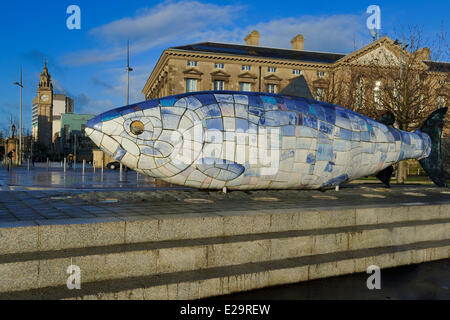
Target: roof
(261, 52)
(438, 66)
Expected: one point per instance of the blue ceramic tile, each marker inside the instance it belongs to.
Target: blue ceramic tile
(149, 104)
(257, 111)
(193, 103)
(324, 152)
(214, 111)
(310, 121)
(329, 167)
(241, 124)
(118, 155)
(311, 158)
(287, 154)
(109, 115)
(268, 100)
(346, 134)
(254, 101)
(325, 127)
(206, 99)
(288, 130)
(168, 102)
(336, 181)
(215, 124)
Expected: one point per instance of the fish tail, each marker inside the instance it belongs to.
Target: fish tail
(433, 165)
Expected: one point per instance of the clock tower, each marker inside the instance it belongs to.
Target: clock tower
(45, 109)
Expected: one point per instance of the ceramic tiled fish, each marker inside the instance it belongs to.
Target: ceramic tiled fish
(243, 140)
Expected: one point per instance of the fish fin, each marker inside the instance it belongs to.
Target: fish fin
(385, 176)
(433, 165)
(387, 118)
(220, 169)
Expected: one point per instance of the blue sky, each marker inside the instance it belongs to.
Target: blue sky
(88, 64)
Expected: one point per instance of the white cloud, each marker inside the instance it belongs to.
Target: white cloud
(85, 104)
(177, 23)
(166, 23)
(116, 86)
(57, 86)
(335, 33)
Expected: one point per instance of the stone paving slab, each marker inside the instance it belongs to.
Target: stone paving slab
(56, 206)
(51, 196)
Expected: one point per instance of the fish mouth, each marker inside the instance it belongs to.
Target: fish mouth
(105, 142)
(94, 134)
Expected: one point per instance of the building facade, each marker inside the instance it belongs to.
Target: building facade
(73, 139)
(318, 75)
(42, 110)
(47, 110)
(61, 104)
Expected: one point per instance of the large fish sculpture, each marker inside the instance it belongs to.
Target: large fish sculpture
(242, 140)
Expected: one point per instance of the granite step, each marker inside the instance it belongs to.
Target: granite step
(50, 235)
(216, 281)
(158, 258)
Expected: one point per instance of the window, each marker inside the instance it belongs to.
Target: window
(441, 101)
(192, 63)
(191, 85)
(219, 85)
(67, 131)
(246, 68)
(271, 88)
(297, 72)
(219, 65)
(359, 97)
(319, 94)
(246, 86)
(271, 69)
(377, 95)
(321, 74)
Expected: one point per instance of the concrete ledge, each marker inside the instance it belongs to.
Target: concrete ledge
(226, 280)
(80, 233)
(133, 260)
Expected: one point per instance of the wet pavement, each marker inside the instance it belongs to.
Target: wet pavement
(426, 281)
(46, 196)
(41, 178)
(42, 194)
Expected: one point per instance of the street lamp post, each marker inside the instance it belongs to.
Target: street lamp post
(128, 72)
(20, 84)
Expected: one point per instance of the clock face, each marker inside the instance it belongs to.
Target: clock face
(44, 97)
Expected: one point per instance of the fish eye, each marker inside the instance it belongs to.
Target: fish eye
(137, 127)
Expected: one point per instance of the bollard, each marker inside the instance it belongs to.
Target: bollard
(137, 177)
(120, 172)
(28, 165)
(65, 166)
(102, 170)
(48, 164)
(93, 164)
(84, 166)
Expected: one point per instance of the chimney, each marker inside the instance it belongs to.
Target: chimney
(253, 38)
(297, 42)
(423, 54)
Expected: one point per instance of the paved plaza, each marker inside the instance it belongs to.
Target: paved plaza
(50, 196)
